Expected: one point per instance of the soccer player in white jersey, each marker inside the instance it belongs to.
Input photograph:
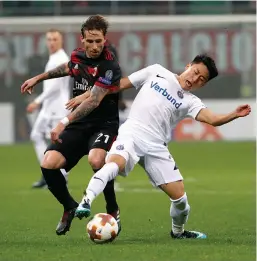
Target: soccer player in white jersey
(163, 100)
(56, 93)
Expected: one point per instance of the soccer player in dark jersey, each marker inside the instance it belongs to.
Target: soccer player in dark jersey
(93, 68)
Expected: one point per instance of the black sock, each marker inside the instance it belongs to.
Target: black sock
(57, 185)
(110, 197)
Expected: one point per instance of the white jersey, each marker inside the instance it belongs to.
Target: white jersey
(160, 104)
(56, 92)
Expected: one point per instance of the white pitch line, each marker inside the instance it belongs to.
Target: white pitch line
(196, 192)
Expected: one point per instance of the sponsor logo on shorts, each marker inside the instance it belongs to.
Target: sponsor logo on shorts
(120, 147)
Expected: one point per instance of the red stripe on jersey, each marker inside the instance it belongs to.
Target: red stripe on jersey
(114, 139)
(108, 55)
(74, 58)
(109, 87)
(75, 72)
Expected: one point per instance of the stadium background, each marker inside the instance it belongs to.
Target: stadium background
(223, 171)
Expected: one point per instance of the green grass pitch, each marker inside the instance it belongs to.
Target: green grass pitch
(220, 184)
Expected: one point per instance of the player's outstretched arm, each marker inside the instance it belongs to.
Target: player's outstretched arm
(74, 102)
(207, 116)
(125, 84)
(60, 71)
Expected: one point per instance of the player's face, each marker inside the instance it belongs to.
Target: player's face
(93, 42)
(194, 77)
(53, 41)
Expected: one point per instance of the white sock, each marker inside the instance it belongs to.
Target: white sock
(98, 182)
(89, 197)
(179, 211)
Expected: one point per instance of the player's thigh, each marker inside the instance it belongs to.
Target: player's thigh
(125, 148)
(161, 167)
(72, 148)
(99, 143)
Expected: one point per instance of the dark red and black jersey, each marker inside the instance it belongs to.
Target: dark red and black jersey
(103, 72)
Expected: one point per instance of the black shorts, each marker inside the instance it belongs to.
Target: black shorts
(77, 141)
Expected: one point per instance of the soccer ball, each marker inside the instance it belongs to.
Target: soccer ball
(102, 228)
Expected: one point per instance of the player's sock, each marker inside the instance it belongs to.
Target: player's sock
(57, 185)
(64, 173)
(110, 197)
(179, 212)
(98, 182)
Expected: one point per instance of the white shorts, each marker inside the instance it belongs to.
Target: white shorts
(43, 125)
(154, 158)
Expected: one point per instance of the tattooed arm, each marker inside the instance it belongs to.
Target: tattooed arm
(89, 104)
(60, 71)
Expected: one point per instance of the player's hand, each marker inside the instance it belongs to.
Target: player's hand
(55, 133)
(32, 107)
(243, 110)
(74, 102)
(28, 85)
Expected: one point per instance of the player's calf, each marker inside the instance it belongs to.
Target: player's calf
(96, 186)
(179, 212)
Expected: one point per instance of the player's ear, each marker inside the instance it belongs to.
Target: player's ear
(82, 39)
(104, 40)
(187, 66)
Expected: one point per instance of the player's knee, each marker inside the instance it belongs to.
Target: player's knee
(119, 160)
(96, 161)
(53, 160)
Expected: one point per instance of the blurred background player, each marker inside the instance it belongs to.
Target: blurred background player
(94, 68)
(52, 100)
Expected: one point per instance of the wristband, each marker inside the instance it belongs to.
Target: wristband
(65, 121)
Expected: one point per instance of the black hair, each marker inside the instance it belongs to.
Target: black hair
(208, 62)
(95, 22)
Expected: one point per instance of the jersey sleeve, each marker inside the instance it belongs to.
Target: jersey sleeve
(195, 107)
(140, 77)
(74, 63)
(53, 85)
(109, 75)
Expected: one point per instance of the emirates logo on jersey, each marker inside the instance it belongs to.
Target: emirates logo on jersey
(84, 86)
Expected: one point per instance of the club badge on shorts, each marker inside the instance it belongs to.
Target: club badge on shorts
(120, 147)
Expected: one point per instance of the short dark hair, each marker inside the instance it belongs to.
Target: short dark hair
(95, 22)
(208, 62)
